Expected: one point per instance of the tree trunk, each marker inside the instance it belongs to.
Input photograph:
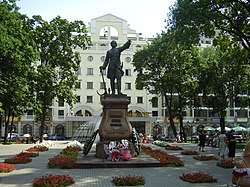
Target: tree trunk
(6, 125)
(222, 121)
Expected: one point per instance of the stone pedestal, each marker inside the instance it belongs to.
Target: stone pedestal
(114, 124)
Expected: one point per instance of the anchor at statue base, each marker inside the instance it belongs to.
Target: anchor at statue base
(114, 125)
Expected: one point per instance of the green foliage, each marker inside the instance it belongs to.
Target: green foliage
(205, 17)
(17, 57)
(167, 67)
(227, 65)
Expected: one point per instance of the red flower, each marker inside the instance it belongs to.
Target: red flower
(18, 160)
(53, 180)
(38, 148)
(125, 153)
(189, 152)
(6, 168)
(198, 177)
(173, 148)
(164, 158)
(61, 161)
(128, 180)
(205, 157)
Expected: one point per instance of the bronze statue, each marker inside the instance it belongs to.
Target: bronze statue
(114, 65)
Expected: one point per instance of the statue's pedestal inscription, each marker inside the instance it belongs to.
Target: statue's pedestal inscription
(114, 125)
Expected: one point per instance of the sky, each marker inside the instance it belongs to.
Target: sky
(144, 16)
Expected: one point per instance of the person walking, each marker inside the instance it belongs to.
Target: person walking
(202, 139)
(241, 172)
(231, 144)
(222, 144)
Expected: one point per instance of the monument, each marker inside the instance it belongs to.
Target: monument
(114, 125)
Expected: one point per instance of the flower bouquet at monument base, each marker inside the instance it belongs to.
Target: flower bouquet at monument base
(117, 152)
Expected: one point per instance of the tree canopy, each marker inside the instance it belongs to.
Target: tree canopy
(205, 17)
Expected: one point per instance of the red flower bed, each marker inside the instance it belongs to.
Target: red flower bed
(190, 152)
(173, 147)
(227, 164)
(18, 160)
(53, 180)
(205, 157)
(73, 149)
(28, 154)
(38, 148)
(6, 168)
(61, 161)
(128, 180)
(198, 177)
(164, 158)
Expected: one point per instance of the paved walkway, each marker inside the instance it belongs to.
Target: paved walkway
(155, 176)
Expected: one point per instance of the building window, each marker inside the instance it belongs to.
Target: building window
(103, 58)
(78, 98)
(60, 102)
(90, 58)
(78, 72)
(89, 71)
(154, 102)
(78, 85)
(60, 113)
(128, 59)
(139, 99)
(30, 112)
(89, 99)
(154, 113)
(127, 86)
(128, 72)
(89, 85)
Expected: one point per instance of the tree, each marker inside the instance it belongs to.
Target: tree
(227, 65)
(16, 57)
(56, 41)
(166, 68)
(205, 17)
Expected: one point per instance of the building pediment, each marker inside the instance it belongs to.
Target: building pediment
(109, 18)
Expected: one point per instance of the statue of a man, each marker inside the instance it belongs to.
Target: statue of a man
(114, 65)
